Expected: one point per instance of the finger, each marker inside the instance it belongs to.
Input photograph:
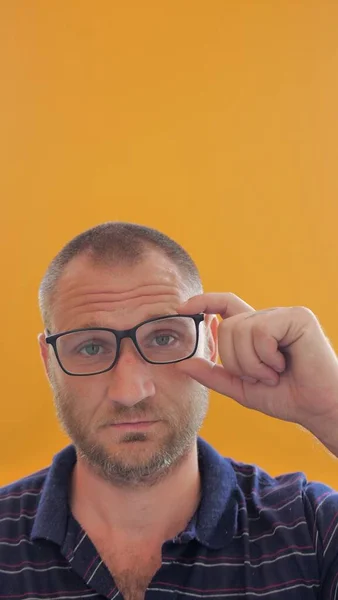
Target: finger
(213, 376)
(226, 349)
(251, 363)
(226, 305)
(266, 347)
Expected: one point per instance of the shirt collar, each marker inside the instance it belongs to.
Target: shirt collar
(215, 519)
(51, 518)
(213, 523)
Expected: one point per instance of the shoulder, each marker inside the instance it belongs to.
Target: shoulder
(19, 501)
(289, 501)
(29, 488)
(256, 483)
(29, 485)
(263, 489)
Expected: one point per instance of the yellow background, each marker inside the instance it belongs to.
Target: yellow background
(215, 122)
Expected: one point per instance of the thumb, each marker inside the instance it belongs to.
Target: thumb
(212, 376)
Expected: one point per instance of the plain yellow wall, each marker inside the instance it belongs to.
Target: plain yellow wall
(215, 122)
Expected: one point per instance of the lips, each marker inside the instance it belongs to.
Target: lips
(133, 424)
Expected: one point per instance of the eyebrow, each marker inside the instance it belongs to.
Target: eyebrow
(99, 324)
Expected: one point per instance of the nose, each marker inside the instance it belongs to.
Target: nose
(130, 380)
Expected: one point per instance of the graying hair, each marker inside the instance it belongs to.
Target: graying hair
(112, 243)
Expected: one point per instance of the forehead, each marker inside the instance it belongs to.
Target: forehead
(117, 295)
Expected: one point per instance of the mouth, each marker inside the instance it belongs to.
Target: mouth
(134, 425)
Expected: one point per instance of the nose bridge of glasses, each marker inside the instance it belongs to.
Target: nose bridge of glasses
(127, 334)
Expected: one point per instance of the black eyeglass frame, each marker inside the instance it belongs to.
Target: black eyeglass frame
(120, 334)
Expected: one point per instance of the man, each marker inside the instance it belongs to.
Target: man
(139, 506)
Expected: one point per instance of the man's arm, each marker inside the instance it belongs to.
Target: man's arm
(277, 361)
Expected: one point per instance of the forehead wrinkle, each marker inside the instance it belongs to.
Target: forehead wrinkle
(105, 306)
(95, 306)
(98, 317)
(97, 302)
(131, 293)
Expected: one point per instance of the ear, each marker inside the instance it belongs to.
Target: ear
(211, 337)
(44, 353)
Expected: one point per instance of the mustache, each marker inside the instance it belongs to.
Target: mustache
(145, 410)
(141, 412)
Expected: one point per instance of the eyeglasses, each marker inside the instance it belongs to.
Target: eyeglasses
(159, 341)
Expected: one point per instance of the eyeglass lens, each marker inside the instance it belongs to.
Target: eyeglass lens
(160, 341)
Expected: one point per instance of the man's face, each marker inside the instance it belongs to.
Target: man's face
(92, 409)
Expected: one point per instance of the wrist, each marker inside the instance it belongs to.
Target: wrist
(326, 431)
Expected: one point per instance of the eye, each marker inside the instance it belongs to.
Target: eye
(163, 339)
(91, 349)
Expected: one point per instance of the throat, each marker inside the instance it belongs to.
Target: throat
(158, 512)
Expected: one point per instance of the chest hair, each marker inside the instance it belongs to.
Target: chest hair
(131, 568)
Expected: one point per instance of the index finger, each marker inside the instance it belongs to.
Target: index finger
(226, 305)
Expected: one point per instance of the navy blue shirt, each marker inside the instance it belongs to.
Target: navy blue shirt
(252, 536)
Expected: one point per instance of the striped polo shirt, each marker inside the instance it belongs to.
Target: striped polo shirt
(253, 536)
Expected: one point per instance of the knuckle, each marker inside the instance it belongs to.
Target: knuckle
(232, 295)
(304, 311)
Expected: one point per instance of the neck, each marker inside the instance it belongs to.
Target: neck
(158, 511)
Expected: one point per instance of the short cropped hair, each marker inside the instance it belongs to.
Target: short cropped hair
(112, 243)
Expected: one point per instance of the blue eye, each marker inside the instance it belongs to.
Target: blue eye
(163, 339)
(91, 349)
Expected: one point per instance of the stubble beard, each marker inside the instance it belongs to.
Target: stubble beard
(142, 468)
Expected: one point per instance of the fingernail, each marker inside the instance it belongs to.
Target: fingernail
(248, 379)
(269, 382)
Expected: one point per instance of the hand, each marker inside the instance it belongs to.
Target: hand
(277, 361)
